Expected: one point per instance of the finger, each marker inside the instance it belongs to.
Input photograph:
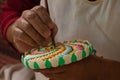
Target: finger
(29, 30)
(36, 22)
(21, 46)
(47, 41)
(43, 14)
(20, 35)
(41, 11)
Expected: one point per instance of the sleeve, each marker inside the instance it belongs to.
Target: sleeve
(12, 10)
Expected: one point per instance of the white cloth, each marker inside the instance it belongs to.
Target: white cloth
(16, 72)
(20, 72)
(97, 21)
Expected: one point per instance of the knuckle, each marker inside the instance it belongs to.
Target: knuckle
(39, 8)
(43, 11)
(15, 30)
(29, 14)
(17, 33)
(23, 24)
(18, 20)
(25, 12)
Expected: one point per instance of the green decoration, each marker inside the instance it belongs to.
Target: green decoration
(27, 64)
(75, 41)
(61, 61)
(48, 64)
(90, 48)
(23, 58)
(83, 54)
(36, 66)
(73, 58)
(29, 52)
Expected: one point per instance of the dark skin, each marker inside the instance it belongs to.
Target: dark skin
(31, 30)
(34, 28)
(91, 68)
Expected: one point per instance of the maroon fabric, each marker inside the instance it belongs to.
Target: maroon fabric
(12, 10)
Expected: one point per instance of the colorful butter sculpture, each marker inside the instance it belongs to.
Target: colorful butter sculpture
(63, 54)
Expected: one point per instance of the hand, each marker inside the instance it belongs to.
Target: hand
(32, 29)
(91, 68)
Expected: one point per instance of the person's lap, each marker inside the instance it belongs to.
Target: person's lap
(92, 64)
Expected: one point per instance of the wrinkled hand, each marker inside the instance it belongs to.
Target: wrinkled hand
(32, 29)
(91, 68)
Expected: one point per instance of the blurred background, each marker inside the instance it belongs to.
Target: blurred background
(1, 3)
